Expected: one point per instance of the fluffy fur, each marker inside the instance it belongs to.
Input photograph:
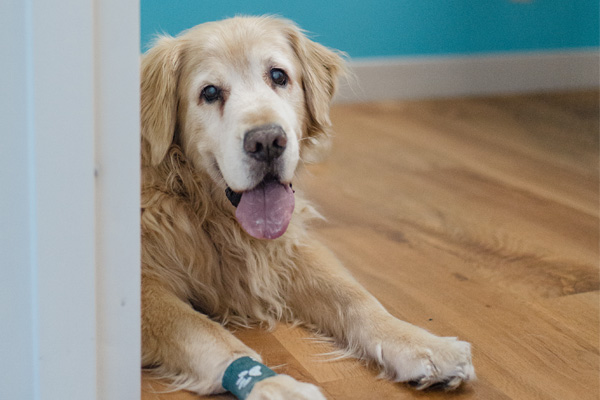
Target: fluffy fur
(200, 269)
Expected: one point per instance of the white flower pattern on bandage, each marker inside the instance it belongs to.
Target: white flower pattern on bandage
(245, 377)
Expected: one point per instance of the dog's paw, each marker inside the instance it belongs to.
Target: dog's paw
(429, 362)
(284, 387)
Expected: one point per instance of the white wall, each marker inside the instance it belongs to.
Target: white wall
(117, 148)
(488, 74)
(17, 371)
(69, 242)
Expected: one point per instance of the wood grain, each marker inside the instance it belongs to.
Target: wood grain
(475, 218)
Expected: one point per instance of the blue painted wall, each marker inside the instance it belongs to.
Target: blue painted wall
(376, 28)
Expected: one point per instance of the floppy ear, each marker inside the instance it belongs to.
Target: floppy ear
(159, 76)
(321, 68)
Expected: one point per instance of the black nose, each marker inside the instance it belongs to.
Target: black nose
(265, 143)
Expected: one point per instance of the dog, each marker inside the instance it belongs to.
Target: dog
(229, 110)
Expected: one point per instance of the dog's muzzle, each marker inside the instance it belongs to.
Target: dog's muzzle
(265, 210)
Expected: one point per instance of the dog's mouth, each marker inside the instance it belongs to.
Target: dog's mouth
(266, 210)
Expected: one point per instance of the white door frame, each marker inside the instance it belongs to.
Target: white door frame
(69, 207)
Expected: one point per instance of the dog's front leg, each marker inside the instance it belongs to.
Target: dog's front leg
(187, 348)
(327, 297)
(183, 345)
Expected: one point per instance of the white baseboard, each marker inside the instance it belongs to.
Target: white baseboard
(427, 77)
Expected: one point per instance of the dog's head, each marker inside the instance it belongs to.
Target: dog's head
(245, 98)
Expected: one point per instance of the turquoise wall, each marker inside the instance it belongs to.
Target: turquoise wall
(386, 28)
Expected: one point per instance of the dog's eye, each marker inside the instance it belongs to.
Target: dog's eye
(211, 94)
(279, 77)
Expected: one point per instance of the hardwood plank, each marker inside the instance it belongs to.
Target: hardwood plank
(579, 317)
(475, 218)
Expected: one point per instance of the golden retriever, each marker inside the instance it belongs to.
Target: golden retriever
(229, 109)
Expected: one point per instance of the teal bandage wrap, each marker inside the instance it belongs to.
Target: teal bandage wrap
(242, 374)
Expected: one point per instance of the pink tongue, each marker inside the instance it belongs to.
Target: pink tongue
(265, 211)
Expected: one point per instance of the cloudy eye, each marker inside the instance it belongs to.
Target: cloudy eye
(279, 77)
(211, 94)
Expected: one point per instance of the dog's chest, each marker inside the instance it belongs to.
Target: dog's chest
(246, 280)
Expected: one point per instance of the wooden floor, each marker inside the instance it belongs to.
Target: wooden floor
(475, 218)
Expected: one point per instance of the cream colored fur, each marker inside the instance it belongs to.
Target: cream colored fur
(200, 270)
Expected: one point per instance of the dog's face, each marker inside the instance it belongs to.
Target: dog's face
(245, 98)
(242, 110)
